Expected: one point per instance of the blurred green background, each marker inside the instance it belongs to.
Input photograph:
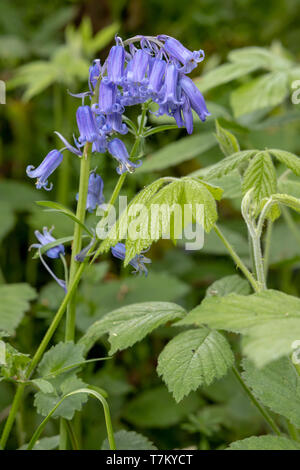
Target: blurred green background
(45, 49)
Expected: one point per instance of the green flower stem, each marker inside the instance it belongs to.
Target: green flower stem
(12, 415)
(258, 259)
(237, 259)
(267, 247)
(77, 242)
(262, 410)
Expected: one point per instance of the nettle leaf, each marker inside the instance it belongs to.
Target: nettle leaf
(130, 440)
(130, 324)
(260, 176)
(266, 91)
(288, 159)
(156, 408)
(277, 386)
(269, 319)
(14, 303)
(194, 358)
(166, 209)
(227, 165)
(59, 357)
(178, 152)
(227, 285)
(227, 141)
(265, 443)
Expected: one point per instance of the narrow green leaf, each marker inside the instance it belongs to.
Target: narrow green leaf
(227, 141)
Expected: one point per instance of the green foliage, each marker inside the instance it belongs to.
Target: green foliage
(130, 324)
(265, 443)
(227, 285)
(269, 319)
(59, 379)
(14, 303)
(178, 152)
(156, 408)
(151, 227)
(130, 440)
(13, 363)
(277, 386)
(194, 358)
(227, 141)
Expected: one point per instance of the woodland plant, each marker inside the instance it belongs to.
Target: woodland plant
(153, 73)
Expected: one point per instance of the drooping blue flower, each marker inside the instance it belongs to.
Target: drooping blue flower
(114, 121)
(155, 84)
(187, 58)
(194, 96)
(118, 150)
(55, 252)
(170, 98)
(94, 73)
(108, 99)
(137, 68)
(86, 125)
(115, 65)
(138, 262)
(95, 192)
(45, 169)
(45, 238)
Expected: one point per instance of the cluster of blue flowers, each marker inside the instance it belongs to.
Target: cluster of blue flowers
(156, 70)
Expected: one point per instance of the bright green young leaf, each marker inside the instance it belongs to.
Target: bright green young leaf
(260, 176)
(129, 440)
(265, 443)
(227, 165)
(130, 324)
(288, 159)
(269, 319)
(286, 200)
(266, 91)
(277, 386)
(178, 152)
(194, 358)
(227, 141)
(14, 303)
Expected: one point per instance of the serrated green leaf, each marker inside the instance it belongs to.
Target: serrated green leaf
(227, 141)
(156, 408)
(265, 443)
(178, 152)
(287, 200)
(288, 159)
(130, 324)
(266, 91)
(45, 402)
(260, 176)
(269, 319)
(277, 386)
(14, 303)
(129, 440)
(44, 385)
(227, 165)
(45, 443)
(194, 358)
(227, 285)
(60, 356)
